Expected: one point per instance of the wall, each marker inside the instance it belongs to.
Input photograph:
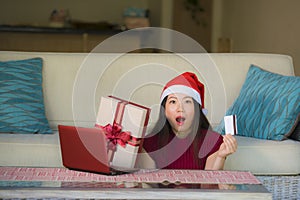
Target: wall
(268, 26)
(183, 22)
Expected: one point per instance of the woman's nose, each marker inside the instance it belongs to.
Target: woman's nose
(180, 107)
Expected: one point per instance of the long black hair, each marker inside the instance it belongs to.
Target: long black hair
(164, 131)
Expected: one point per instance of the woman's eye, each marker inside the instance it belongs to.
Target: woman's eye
(172, 101)
(188, 101)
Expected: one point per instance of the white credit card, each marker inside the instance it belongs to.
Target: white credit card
(230, 124)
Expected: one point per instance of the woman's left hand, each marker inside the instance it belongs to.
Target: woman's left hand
(228, 146)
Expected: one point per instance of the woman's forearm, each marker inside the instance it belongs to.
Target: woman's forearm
(219, 163)
(215, 162)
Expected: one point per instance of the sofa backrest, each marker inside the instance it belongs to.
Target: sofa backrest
(74, 82)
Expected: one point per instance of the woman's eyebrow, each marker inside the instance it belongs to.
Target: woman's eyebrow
(172, 97)
(187, 97)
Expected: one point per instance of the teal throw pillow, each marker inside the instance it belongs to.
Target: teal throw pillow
(21, 97)
(267, 106)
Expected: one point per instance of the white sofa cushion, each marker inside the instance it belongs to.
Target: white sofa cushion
(265, 156)
(261, 157)
(38, 150)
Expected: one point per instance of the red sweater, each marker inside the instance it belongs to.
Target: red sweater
(180, 153)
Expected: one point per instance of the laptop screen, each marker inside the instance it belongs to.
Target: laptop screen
(84, 149)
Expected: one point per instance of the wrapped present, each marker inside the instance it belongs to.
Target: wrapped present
(124, 124)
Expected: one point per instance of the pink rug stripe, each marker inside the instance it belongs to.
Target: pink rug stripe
(149, 176)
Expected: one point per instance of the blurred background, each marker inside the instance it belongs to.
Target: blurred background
(268, 26)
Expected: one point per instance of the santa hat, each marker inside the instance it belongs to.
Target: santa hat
(186, 83)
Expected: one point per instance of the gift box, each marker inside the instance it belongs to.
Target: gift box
(124, 124)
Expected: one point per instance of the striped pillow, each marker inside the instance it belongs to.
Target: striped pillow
(267, 106)
(21, 97)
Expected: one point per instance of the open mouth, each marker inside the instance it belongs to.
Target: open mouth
(180, 120)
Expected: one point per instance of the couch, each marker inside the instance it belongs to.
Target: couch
(74, 82)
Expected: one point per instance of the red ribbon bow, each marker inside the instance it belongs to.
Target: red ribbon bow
(115, 135)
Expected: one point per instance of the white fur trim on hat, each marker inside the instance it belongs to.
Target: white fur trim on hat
(181, 89)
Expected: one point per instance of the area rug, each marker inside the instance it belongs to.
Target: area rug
(146, 176)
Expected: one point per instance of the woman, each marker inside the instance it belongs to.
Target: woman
(182, 137)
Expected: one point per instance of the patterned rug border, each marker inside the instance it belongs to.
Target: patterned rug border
(147, 176)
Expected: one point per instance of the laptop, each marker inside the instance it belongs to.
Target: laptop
(85, 149)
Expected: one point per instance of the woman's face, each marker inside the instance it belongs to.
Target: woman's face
(180, 113)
